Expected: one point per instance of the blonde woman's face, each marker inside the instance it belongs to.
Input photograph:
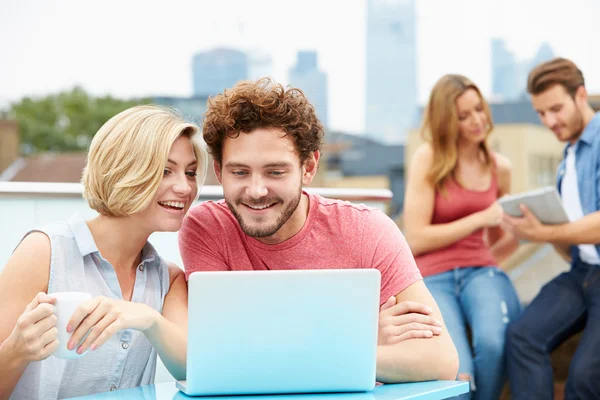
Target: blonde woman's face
(472, 119)
(177, 190)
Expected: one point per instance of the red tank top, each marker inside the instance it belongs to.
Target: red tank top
(471, 251)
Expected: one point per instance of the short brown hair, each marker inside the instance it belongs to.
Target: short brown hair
(261, 104)
(558, 71)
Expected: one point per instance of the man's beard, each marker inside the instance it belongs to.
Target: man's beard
(267, 231)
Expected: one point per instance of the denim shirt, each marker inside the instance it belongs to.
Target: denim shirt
(587, 165)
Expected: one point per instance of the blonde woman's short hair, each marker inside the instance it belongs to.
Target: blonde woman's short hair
(127, 157)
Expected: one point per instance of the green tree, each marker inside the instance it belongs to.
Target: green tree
(66, 121)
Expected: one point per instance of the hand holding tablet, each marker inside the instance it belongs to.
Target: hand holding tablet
(544, 203)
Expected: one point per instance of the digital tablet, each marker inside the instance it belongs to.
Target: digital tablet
(544, 203)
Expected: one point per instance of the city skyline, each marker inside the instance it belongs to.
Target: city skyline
(391, 71)
(217, 69)
(141, 48)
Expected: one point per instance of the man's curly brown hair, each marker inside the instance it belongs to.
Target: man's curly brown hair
(261, 104)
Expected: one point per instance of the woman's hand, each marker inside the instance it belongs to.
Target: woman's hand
(105, 317)
(491, 216)
(34, 336)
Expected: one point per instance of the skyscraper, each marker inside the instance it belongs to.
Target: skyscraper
(218, 69)
(506, 79)
(306, 76)
(509, 76)
(391, 85)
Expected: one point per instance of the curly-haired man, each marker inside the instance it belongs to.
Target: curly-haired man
(265, 141)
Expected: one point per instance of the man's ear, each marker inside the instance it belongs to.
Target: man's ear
(310, 167)
(581, 96)
(218, 172)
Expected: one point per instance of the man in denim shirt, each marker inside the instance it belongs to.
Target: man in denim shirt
(570, 302)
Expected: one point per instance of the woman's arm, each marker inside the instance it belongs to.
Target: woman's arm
(27, 327)
(166, 332)
(169, 334)
(502, 244)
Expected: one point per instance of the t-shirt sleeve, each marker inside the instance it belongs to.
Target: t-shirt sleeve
(385, 248)
(199, 242)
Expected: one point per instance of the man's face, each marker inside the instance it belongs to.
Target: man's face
(262, 180)
(560, 112)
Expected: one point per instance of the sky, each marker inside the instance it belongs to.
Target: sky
(144, 47)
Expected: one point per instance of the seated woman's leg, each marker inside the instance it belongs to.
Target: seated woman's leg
(490, 302)
(444, 290)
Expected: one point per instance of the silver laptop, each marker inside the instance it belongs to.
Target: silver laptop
(265, 332)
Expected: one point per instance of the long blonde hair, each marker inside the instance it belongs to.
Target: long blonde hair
(440, 127)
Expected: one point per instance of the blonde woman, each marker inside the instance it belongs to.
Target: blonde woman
(452, 226)
(142, 174)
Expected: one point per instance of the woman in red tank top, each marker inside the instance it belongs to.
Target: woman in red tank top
(452, 226)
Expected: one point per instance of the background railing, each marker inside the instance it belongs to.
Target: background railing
(26, 205)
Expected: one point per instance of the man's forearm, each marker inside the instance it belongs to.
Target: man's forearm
(417, 360)
(583, 231)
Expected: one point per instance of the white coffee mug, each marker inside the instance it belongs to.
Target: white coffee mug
(66, 304)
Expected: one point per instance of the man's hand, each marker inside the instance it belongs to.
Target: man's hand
(405, 320)
(528, 227)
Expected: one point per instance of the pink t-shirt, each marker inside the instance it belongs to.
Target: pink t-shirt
(336, 234)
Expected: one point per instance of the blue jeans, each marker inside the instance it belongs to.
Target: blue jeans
(566, 305)
(484, 299)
